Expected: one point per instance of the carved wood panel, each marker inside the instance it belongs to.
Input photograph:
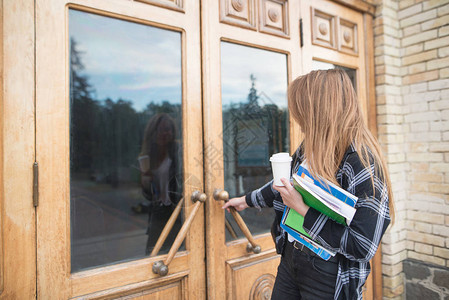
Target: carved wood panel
(173, 287)
(323, 29)
(332, 31)
(347, 36)
(177, 5)
(274, 17)
(238, 12)
(258, 273)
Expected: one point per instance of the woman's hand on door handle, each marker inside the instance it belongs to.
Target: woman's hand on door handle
(238, 203)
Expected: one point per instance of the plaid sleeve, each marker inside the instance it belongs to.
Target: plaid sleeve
(262, 197)
(360, 240)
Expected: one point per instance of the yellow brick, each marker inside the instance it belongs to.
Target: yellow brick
(433, 3)
(440, 147)
(421, 77)
(428, 177)
(427, 217)
(439, 188)
(444, 10)
(438, 63)
(392, 270)
(419, 57)
(420, 37)
(417, 68)
(444, 51)
(423, 227)
(444, 73)
(425, 238)
(405, 3)
(427, 258)
(441, 252)
(435, 23)
(443, 30)
(423, 248)
(439, 167)
(414, 49)
(392, 293)
(393, 281)
(436, 43)
(418, 18)
(409, 11)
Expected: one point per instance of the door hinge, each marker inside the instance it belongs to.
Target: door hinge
(301, 38)
(35, 184)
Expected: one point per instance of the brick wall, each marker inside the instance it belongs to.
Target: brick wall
(412, 88)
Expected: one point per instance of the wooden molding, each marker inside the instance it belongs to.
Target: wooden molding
(177, 5)
(359, 5)
(172, 284)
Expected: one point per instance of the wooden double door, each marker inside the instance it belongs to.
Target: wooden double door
(130, 115)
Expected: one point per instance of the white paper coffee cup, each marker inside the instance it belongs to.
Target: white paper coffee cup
(280, 165)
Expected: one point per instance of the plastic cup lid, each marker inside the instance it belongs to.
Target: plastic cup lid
(281, 157)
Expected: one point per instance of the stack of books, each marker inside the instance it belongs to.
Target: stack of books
(323, 196)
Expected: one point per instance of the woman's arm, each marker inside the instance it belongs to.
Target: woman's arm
(360, 240)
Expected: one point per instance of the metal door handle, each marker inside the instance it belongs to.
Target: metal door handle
(222, 195)
(161, 267)
(167, 228)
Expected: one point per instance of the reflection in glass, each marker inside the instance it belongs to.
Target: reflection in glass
(320, 65)
(125, 138)
(255, 125)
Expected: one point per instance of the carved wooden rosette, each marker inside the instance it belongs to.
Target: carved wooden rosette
(323, 29)
(272, 17)
(334, 32)
(239, 13)
(262, 287)
(177, 5)
(347, 37)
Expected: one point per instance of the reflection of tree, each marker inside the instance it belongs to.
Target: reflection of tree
(252, 131)
(105, 135)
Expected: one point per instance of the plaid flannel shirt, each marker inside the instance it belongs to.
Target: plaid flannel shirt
(355, 244)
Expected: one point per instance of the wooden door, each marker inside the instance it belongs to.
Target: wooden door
(117, 93)
(250, 48)
(250, 53)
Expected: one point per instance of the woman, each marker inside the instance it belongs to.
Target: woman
(339, 148)
(158, 166)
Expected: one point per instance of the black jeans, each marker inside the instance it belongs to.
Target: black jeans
(303, 275)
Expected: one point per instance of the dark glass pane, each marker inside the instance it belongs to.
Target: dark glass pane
(255, 124)
(125, 138)
(352, 73)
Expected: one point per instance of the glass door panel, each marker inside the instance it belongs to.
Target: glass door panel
(125, 136)
(255, 125)
(321, 65)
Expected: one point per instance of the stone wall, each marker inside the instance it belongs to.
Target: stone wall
(412, 88)
(425, 281)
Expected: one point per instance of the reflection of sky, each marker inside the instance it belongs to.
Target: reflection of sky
(270, 69)
(128, 60)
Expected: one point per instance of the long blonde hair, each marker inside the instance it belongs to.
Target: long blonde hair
(325, 105)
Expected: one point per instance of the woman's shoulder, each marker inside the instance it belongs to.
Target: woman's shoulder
(352, 165)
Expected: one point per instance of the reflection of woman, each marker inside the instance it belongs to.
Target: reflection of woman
(158, 165)
(339, 147)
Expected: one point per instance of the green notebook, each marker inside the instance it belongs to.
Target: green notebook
(295, 221)
(310, 198)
